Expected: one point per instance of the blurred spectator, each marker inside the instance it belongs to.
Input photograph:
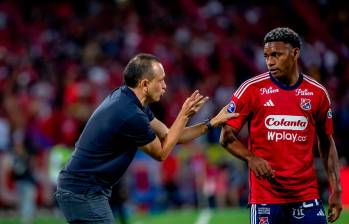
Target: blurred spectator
(58, 158)
(24, 176)
(169, 172)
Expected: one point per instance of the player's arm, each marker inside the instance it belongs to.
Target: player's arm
(166, 139)
(234, 146)
(328, 153)
(192, 132)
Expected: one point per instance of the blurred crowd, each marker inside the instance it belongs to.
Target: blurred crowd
(59, 59)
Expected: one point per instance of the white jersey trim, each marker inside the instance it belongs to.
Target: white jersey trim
(247, 84)
(315, 83)
(248, 81)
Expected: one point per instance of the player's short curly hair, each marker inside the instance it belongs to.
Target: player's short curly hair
(285, 35)
(139, 67)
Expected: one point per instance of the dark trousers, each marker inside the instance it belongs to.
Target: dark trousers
(89, 207)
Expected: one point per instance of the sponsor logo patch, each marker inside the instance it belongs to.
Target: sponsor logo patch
(286, 122)
(329, 113)
(285, 136)
(269, 90)
(304, 92)
(263, 211)
(231, 107)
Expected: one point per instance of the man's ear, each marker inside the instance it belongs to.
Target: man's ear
(296, 53)
(144, 85)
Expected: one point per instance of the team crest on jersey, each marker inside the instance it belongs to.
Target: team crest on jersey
(305, 104)
(263, 220)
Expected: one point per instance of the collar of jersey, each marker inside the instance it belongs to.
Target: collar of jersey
(283, 86)
(131, 94)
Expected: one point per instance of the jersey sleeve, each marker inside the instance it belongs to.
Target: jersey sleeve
(243, 105)
(149, 113)
(137, 129)
(324, 116)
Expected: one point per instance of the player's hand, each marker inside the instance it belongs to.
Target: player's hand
(260, 167)
(222, 117)
(193, 104)
(335, 206)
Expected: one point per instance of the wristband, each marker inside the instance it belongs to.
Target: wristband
(208, 124)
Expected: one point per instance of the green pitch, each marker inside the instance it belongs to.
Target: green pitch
(225, 216)
(235, 216)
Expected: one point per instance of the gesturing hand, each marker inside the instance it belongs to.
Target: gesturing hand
(193, 104)
(261, 168)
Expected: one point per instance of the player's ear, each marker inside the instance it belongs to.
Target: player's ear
(296, 53)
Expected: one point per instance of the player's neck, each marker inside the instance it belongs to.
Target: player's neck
(289, 80)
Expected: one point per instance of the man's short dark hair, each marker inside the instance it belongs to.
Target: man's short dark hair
(285, 35)
(139, 67)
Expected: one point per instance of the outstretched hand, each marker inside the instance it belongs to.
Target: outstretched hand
(222, 117)
(193, 104)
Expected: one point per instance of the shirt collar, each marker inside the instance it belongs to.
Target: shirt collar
(283, 86)
(131, 94)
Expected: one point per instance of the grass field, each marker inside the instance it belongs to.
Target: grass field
(235, 216)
